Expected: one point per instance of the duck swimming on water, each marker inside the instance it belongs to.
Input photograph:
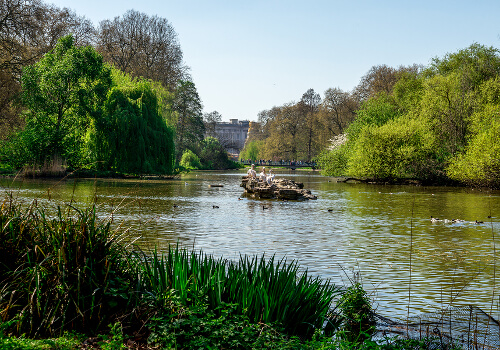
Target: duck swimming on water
(433, 219)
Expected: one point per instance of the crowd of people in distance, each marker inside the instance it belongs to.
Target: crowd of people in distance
(262, 176)
(279, 162)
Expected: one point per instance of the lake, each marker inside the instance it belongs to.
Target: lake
(375, 232)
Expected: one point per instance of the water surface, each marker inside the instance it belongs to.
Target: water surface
(375, 231)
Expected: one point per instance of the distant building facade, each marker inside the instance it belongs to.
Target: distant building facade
(232, 135)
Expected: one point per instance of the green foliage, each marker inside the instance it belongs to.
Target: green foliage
(264, 291)
(115, 339)
(475, 64)
(213, 155)
(401, 148)
(374, 112)
(202, 328)
(252, 150)
(334, 162)
(189, 117)
(132, 136)
(60, 271)
(359, 320)
(190, 160)
(62, 91)
(408, 91)
(479, 164)
(442, 122)
(91, 116)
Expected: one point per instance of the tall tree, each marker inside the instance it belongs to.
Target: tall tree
(286, 130)
(337, 111)
(187, 105)
(142, 45)
(210, 120)
(66, 87)
(310, 105)
(381, 79)
(28, 30)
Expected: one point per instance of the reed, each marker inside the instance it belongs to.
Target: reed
(68, 270)
(60, 271)
(265, 290)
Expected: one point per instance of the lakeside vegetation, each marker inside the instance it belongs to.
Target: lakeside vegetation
(437, 124)
(103, 99)
(73, 98)
(69, 271)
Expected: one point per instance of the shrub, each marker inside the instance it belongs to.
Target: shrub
(356, 310)
(190, 160)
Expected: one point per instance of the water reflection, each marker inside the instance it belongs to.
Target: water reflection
(351, 227)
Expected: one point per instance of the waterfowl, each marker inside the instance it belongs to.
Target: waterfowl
(479, 222)
(264, 207)
(175, 205)
(435, 219)
(215, 206)
(330, 210)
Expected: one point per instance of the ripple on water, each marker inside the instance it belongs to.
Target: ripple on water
(370, 229)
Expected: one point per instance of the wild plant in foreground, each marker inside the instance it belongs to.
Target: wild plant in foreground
(59, 272)
(264, 290)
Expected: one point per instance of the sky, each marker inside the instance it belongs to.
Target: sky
(248, 56)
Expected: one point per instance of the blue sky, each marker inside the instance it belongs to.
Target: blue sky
(247, 56)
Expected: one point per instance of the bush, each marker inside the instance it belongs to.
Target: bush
(401, 148)
(190, 160)
(358, 317)
(334, 162)
(213, 155)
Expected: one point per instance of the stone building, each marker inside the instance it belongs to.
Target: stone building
(232, 135)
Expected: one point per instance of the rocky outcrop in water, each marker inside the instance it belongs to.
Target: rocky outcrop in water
(278, 189)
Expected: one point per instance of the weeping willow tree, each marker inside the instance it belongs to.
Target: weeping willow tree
(134, 134)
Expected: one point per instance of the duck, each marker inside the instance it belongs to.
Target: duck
(264, 207)
(215, 206)
(330, 210)
(175, 205)
(479, 222)
(433, 219)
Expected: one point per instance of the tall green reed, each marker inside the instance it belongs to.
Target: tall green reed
(266, 290)
(59, 271)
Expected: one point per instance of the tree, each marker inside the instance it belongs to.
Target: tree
(189, 124)
(401, 148)
(190, 160)
(286, 131)
(310, 105)
(28, 30)
(479, 163)
(142, 45)
(210, 120)
(381, 79)
(62, 91)
(213, 155)
(336, 112)
(133, 136)
(252, 150)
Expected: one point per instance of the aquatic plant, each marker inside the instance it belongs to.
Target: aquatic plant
(265, 290)
(60, 271)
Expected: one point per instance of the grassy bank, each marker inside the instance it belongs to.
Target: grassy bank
(68, 271)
